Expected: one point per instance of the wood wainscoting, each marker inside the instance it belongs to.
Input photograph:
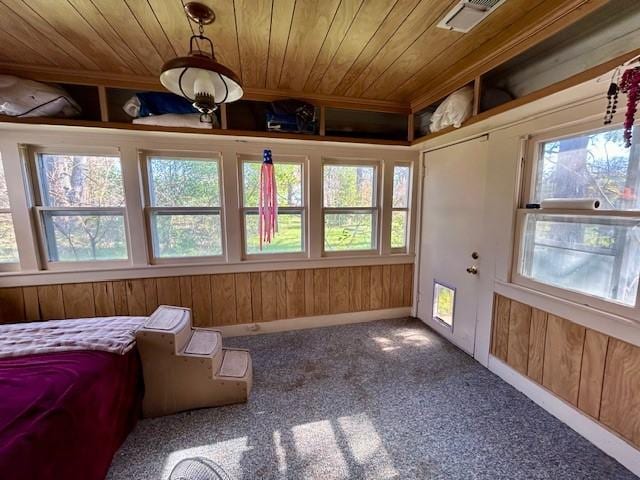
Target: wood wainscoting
(596, 373)
(220, 299)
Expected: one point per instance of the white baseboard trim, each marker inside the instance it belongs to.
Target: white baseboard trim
(593, 431)
(312, 322)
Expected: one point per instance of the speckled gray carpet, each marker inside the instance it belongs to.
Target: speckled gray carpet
(380, 400)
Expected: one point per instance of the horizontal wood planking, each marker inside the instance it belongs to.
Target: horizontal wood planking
(222, 299)
(598, 374)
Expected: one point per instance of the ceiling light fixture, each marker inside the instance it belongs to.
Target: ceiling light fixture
(198, 77)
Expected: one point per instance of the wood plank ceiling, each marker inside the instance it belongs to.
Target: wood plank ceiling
(380, 50)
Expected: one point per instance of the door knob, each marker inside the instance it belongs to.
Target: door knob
(473, 270)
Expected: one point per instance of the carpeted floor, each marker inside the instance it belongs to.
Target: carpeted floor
(380, 400)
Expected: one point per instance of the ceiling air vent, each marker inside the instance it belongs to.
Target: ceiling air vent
(468, 13)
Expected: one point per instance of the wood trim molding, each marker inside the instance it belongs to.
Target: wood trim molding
(200, 131)
(113, 80)
(301, 323)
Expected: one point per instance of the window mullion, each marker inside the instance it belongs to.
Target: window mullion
(13, 159)
(230, 190)
(135, 220)
(385, 201)
(314, 201)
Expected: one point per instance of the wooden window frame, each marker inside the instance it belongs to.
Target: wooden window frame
(150, 210)
(39, 207)
(302, 210)
(9, 266)
(529, 176)
(407, 209)
(17, 159)
(375, 211)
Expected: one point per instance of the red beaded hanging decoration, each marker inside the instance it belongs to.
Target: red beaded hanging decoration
(630, 84)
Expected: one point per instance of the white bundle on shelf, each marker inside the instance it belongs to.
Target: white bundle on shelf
(20, 97)
(454, 110)
(570, 204)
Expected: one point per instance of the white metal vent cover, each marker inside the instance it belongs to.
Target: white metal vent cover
(468, 13)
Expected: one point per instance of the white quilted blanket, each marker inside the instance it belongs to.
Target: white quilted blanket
(109, 334)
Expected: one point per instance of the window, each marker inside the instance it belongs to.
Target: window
(290, 238)
(592, 253)
(444, 299)
(8, 246)
(400, 207)
(183, 206)
(80, 204)
(350, 203)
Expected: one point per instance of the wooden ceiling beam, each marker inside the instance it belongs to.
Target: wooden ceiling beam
(136, 82)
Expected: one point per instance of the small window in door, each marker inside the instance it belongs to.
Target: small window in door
(444, 299)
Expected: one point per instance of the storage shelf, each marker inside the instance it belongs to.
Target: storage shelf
(213, 131)
(102, 108)
(559, 86)
(356, 120)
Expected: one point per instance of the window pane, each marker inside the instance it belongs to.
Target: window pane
(8, 250)
(595, 166)
(443, 303)
(399, 229)
(349, 186)
(187, 235)
(81, 237)
(180, 182)
(81, 181)
(348, 231)
(598, 256)
(4, 196)
(288, 239)
(401, 181)
(288, 183)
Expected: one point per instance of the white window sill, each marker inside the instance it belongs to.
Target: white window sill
(585, 315)
(73, 275)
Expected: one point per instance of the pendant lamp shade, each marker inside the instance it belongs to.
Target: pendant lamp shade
(183, 76)
(198, 76)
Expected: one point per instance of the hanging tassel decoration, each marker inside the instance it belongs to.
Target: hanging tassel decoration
(612, 99)
(268, 201)
(630, 84)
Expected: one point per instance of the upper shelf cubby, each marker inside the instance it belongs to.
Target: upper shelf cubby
(365, 124)
(608, 32)
(87, 97)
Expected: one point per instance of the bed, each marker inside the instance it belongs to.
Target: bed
(69, 395)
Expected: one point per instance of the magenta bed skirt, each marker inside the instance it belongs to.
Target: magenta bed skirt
(64, 415)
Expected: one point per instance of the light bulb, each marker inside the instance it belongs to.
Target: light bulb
(204, 94)
(203, 85)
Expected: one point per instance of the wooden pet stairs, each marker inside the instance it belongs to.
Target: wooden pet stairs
(186, 368)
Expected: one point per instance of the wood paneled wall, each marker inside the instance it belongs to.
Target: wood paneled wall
(221, 299)
(596, 373)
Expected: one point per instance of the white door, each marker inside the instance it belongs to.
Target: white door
(452, 222)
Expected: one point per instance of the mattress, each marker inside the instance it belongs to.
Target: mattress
(63, 415)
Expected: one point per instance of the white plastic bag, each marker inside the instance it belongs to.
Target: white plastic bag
(20, 97)
(189, 120)
(132, 107)
(454, 110)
